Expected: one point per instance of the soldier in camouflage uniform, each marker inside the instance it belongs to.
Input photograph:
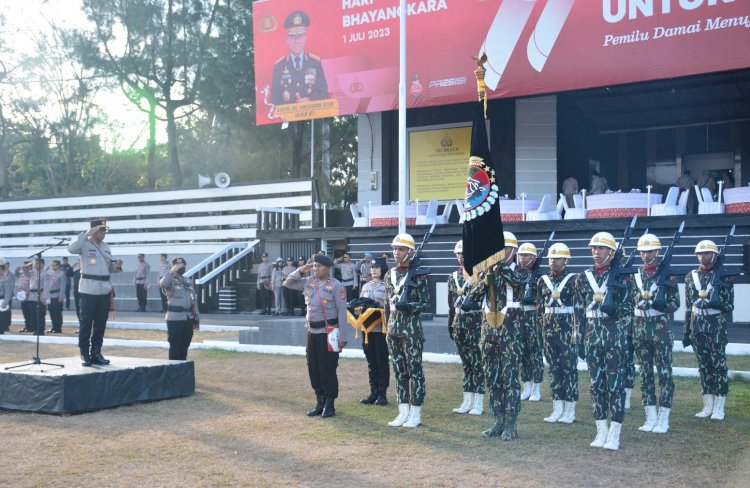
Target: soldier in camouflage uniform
(652, 336)
(405, 336)
(501, 345)
(706, 329)
(532, 364)
(628, 380)
(464, 327)
(555, 297)
(605, 340)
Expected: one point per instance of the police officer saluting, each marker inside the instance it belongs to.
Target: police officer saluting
(95, 288)
(182, 309)
(326, 310)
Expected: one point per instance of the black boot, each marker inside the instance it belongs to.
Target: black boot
(318, 409)
(382, 399)
(328, 409)
(370, 399)
(510, 432)
(85, 357)
(496, 429)
(97, 358)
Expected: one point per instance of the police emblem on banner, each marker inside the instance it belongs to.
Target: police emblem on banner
(481, 190)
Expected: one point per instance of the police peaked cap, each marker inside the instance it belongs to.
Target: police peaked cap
(324, 260)
(98, 223)
(297, 22)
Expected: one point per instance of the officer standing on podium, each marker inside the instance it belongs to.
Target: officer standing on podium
(96, 289)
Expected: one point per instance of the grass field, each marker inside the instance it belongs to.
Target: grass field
(246, 426)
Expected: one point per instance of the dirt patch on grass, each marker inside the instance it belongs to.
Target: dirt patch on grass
(246, 426)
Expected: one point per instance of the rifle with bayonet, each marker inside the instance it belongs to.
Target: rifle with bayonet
(535, 273)
(414, 271)
(664, 272)
(618, 269)
(720, 274)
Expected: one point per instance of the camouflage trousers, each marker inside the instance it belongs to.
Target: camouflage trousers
(607, 370)
(628, 380)
(532, 364)
(406, 357)
(500, 361)
(710, 351)
(562, 357)
(655, 353)
(467, 343)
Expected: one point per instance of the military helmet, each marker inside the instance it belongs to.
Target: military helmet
(403, 240)
(459, 247)
(707, 246)
(527, 248)
(604, 239)
(510, 239)
(558, 250)
(649, 242)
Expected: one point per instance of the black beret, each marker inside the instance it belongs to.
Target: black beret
(324, 260)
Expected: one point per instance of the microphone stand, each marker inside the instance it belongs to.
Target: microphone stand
(36, 360)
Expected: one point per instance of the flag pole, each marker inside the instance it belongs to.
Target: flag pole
(402, 190)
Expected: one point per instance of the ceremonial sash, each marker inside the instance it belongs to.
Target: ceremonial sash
(556, 291)
(646, 296)
(599, 291)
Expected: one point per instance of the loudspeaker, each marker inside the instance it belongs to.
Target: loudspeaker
(222, 180)
(203, 181)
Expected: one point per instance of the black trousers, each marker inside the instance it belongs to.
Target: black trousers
(266, 298)
(179, 335)
(94, 313)
(376, 352)
(28, 314)
(163, 299)
(5, 318)
(141, 294)
(37, 315)
(321, 366)
(55, 314)
(290, 299)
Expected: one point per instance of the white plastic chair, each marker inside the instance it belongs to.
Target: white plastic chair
(682, 203)
(669, 207)
(430, 216)
(460, 205)
(360, 220)
(544, 212)
(707, 205)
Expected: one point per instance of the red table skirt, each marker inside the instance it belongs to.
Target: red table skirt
(511, 217)
(613, 213)
(735, 208)
(390, 221)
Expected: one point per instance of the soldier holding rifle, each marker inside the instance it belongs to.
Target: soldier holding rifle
(602, 312)
(655, 297)
(408, 296)
(709, 298)
(555, 298)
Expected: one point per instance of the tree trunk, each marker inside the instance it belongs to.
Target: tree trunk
(174, 160)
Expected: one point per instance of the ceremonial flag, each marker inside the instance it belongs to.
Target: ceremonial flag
(483, 230)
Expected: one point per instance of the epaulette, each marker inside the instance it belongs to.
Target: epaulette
(313, 56)
(282, 58)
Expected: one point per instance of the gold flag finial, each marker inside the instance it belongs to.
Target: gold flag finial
(479, 73)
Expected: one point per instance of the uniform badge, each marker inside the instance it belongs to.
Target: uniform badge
(325, 301)
(598, 297)
(342, 293)
(646, 295)
(703, 294)
(555, 295)
(460, 292)
(397, 290)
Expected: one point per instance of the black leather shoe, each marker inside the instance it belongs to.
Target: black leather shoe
(318, 409)
(370, 399)
(328, 409)
(85, 360)
(97, 358)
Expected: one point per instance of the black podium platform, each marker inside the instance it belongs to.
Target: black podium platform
(76, 389)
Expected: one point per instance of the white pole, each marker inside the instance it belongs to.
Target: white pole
(648, 200)
(402, 190)
(324, 215)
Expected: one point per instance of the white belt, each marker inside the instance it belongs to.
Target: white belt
(647, 313)
(705, 311)
(528, 308)
(558, 310)
(513, 305)
(596, 314)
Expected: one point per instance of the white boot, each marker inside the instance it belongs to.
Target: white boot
(526, 393)
(536, 392)
(651, 421)
(467, 404)
(662, 423)
(601, 434)
(613, 438)
(403, 415)
(628, 392)
(569, 414)
(718, 411)
(478, 407)
(415, 417)
(708, 407)
(557, 411)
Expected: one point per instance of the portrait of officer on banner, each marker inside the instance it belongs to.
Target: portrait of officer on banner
(298, 76)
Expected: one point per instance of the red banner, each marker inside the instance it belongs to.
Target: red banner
(318, 58)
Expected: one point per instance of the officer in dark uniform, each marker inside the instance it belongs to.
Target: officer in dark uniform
(298, 76)
(326, 308)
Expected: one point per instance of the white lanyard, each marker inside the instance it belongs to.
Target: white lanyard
(396, 286)
(600, 291)
(645, 296)
(555, 290)
(699, 287)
